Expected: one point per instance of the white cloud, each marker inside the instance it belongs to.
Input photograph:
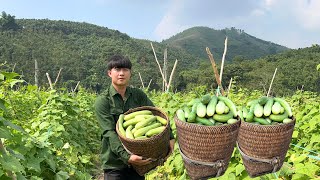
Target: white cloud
(308, 14)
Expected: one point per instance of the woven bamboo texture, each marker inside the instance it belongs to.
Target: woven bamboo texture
(264, 142)
(156, 147)
(206, 144)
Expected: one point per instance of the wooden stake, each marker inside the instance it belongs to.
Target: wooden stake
(165, 67)
(171, 75)
(274, 74)
(76, 87)
(149, 84)
(229, 87)
(165, 82)
(49, 79)
(14, 66)
(57, 76)
(215, 70)
(141, 80)
(223, 57)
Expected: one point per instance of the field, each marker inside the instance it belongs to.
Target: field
(53, 134)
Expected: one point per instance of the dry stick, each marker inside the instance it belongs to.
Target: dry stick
(274, 74)
(57, 76)
(223, 57)
(149, 84)
(76, 87)
(14, 66)
(215, 70)
(171, 75)
(229, 87)
(49, 79)
(141, 80)
(165, 67)
(158, 64)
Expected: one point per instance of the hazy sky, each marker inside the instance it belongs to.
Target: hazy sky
(292, 23)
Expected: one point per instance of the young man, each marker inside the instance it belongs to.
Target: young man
(116, 100)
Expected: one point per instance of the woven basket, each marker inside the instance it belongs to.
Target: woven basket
(263, 148)
(155, 147)
(208, 145)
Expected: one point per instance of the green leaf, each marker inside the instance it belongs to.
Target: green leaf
(295, 134)
(44, 125)
(2, 106)
(239, 169)
(13, 126)
(1, 172)
(62, 175)
(12, 83)
(10, 75)
(10, 163)
(2, 79)
(51, 163)
(318, 67)
(34, 163)
(20, 176)
(308, 169)
(5, 133)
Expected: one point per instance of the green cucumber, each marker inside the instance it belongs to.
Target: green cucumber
(232, 121)
(250, 114)
(186, 111)
(263, 100)
(287, 120)
(194, 107)
(211, 107)
(261, 121)
(205, 99)
(201, 110)
(129, 133)
(285, 105)
(279, 117)
(223, 117)
(133, 114)
(267, 107)
(276, 108)
(192, 117)
(220, 107)
(252, 102)
(144, 123)
(204, 121)
(162, 120)
(180, 115)
(133, 121)
(244, 112)
(155, 131)
(258, 110)
(193, 101)
(141, 137)
(230, 104)
(120, 125)
(144, 130)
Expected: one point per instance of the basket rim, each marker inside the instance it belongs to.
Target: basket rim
(239, 121)
(149, 138)
(270, 125)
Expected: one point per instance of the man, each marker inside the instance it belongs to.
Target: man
(116, 100)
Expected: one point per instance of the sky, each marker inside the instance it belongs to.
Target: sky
(291, 23)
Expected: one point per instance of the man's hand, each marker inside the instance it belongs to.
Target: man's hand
(137, 160)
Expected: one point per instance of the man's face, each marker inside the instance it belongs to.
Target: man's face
(120, 76)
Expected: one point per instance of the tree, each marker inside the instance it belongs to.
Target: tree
(8, 22)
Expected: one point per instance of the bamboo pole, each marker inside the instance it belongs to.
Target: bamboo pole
(49, 79)
(223, 57)
(215, 70)
(76, 87)
(141, 80)
(274, 74)
(149, 84)
(158, 64)
(57, 76)
(171, 75)
(165, 67)
(229, 87)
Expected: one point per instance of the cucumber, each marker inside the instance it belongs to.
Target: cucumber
(223, 117)
(252, 102)
(263, 100)
(244, 112)
(226, 110)
(155, 131)
(232, 121)
(212, 120)
(193, 101)
(267, 107)
(250, 114)
(129, 133)
(133, 121)
(261, 121)
(186, 111)
(141, 137)
(220, 107)
(287, 120)
(133, 114)
(162, 120)
(276, 108)
(144, 130)
(143, 116)
(201, 110)
(285, 105)
(279, 117)
(281, 110)
(192, 117)
(144, 123)
(194, 107)
(204, 121)
(180, 115)
(205, 99)
(230, 104)
(258, 110)
(120, 125)
(211, 107)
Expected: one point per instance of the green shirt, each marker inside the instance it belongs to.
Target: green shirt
(108, 107)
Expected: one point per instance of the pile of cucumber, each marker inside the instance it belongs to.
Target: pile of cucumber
(141, 124)
(208, 110)
(266, 111)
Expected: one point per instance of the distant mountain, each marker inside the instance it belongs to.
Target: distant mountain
(196, 39)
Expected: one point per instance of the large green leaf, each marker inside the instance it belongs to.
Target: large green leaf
(10, 75)
(62, 175)
(2, 106)
(34, 163)
(10, 163)
(16, 127)
(5, 133)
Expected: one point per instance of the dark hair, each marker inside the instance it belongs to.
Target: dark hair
(118, 61)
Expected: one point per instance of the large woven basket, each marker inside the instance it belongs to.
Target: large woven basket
(206, 150)
(155, 147)
(263, 148)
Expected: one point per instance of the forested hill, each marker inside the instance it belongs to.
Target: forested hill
(81, 49)
(196, 39)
